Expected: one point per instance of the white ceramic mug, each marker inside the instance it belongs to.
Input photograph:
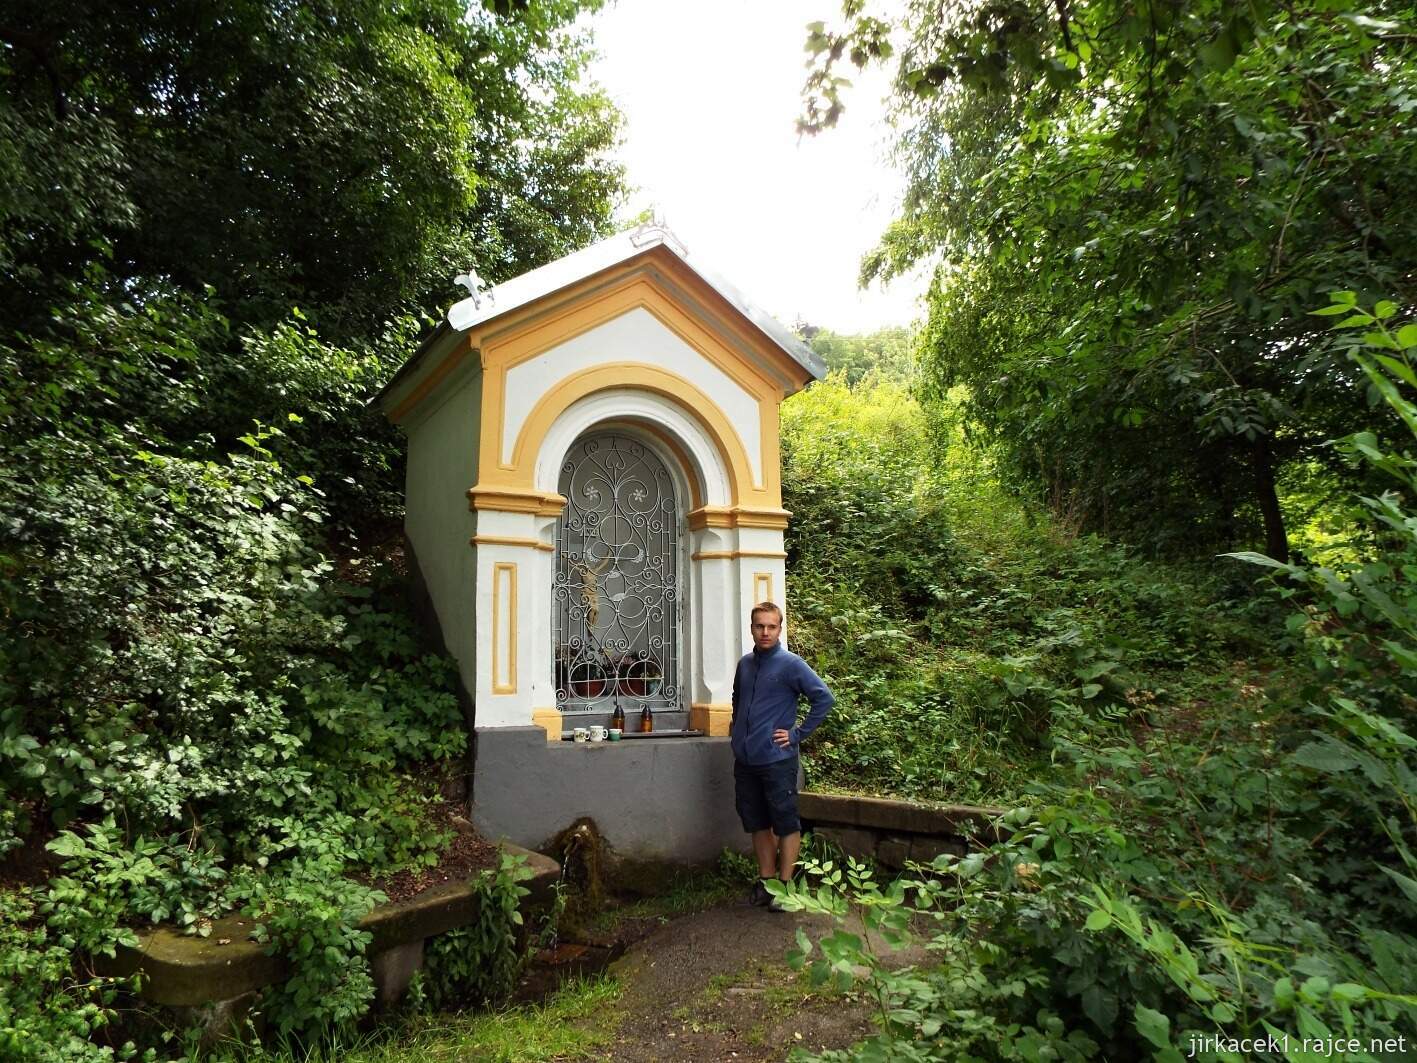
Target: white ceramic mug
(597, 733)
(580, 734)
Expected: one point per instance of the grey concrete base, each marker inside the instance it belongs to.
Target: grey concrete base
(393, 969)
(665, 799)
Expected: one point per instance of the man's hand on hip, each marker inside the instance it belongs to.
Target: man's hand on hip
(782, 738)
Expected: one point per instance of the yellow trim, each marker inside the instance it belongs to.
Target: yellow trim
(550, 719)
(509, 687)
(432, 380)
(615, 375)
(581, 308)
(710, 517)
(775, 519)
(508, 540)
(738, 517)
(658, 282)
(515, 500)
(715, 555)
(711, 718)
(762, 587)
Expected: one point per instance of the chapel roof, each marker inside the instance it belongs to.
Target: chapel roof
(538, 283)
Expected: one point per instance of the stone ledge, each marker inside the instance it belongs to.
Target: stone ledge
(184, 970)
(895, 833)
(906, 817)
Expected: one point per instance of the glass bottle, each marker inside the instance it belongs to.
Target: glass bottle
(617, 718)
(646, 720)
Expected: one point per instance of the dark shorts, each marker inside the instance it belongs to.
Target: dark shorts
(766, 796)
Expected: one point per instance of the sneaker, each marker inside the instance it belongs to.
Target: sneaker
(758, 896)
(774, 904)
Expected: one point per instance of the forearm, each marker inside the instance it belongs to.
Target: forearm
(816, 712)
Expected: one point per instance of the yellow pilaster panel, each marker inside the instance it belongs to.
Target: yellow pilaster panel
(710, 718)
(550, 719)
(504, 628)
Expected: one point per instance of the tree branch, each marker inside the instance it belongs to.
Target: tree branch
(42, 48)
(1062, 6)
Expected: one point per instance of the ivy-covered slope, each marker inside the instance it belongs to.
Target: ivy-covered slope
(220, 232)
(1210, 766)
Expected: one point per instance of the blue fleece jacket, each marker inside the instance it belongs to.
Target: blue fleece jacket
(765, 692)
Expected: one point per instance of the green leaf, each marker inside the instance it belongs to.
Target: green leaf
(67, 844)
(1100, 1005)
(1385, 309)
(1250, 557)
(1404, 883)
(1098, 920)
(1218, 54)
(1326, 756)
(1153, 1025)
(1398, 368)
(1407, 336)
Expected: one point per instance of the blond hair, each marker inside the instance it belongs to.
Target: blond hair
(766, 607)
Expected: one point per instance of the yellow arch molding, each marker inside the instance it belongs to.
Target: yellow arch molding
(523, 338)
(520, 476)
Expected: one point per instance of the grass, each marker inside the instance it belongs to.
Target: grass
(687, 890)
(573, 1023)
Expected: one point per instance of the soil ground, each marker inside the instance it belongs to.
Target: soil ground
(715, 985)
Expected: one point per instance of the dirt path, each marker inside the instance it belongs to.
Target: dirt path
(716, 986)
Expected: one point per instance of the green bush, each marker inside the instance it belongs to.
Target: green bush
(48, 1009)
(479, 964)
(186, 689)
(956, 633)
(309, 912)
(1243, 868)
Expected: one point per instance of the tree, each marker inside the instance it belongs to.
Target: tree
(1133, 207)
(328, 154)
(888, 352)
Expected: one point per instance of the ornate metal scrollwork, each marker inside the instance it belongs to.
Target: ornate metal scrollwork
(615, 600)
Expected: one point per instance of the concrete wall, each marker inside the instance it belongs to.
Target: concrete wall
(653, 799)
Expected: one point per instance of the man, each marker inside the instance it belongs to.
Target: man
(765, 736)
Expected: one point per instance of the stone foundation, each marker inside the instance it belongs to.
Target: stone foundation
(652, 799)
(894, 833)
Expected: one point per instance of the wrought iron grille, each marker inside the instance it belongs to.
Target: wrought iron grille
(615, 601)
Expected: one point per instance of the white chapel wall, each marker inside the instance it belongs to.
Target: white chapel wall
(635, 336)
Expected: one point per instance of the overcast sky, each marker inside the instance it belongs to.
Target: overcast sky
(710, 90)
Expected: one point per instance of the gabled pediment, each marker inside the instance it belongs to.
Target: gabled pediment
(589, 287)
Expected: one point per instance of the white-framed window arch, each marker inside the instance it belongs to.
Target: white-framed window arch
(602, 654)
